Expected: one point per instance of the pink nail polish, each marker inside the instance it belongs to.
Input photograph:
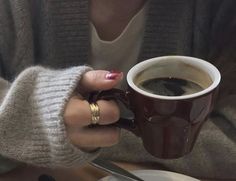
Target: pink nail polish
(114, 74)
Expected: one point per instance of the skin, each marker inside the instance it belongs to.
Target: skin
(110, 17)
(77, 114)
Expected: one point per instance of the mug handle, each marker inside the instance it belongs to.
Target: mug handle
(122, 97)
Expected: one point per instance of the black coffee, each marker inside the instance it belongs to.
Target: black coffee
(170, 86)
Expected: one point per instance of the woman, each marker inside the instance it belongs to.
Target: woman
(45, 117)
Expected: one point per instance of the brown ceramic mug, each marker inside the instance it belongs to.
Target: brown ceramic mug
(168, 124)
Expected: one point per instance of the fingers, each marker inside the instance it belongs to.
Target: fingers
(100, 80)
(101, 136)
(78, 113)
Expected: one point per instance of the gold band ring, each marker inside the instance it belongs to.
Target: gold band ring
(95, 113)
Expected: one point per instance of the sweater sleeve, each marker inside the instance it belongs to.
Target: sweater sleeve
(31, 117)
(223, 55)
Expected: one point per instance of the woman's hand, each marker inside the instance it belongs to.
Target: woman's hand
(77, 114)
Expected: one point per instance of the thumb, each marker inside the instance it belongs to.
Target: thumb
(100, 80)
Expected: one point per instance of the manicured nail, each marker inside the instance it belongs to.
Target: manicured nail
(114, 74)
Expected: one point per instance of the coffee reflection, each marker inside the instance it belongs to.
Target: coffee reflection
(169, 86)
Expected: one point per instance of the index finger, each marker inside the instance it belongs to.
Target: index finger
(96, 80)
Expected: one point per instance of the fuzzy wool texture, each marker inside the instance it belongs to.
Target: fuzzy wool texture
(32, 128)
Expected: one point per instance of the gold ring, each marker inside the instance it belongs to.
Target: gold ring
(95, 113)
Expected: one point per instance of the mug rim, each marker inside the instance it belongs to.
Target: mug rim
(214, 72)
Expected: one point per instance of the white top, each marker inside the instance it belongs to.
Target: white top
(122, 52)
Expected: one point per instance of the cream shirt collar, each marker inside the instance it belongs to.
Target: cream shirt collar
(122, 52)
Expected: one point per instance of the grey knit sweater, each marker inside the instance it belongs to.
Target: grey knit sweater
(43, 47)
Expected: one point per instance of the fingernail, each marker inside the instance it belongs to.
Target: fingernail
(114, 74)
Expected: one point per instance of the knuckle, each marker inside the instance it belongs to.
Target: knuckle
(113, 137)
(109, 110)
(77, 113)
(115, 112)
(94, 77)
(70, 118)
(77, 142)
(89, 76)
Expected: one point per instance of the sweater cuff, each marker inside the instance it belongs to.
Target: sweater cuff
(32, 115)
(53, 91)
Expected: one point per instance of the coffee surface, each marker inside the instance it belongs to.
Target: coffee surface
(169, 86)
